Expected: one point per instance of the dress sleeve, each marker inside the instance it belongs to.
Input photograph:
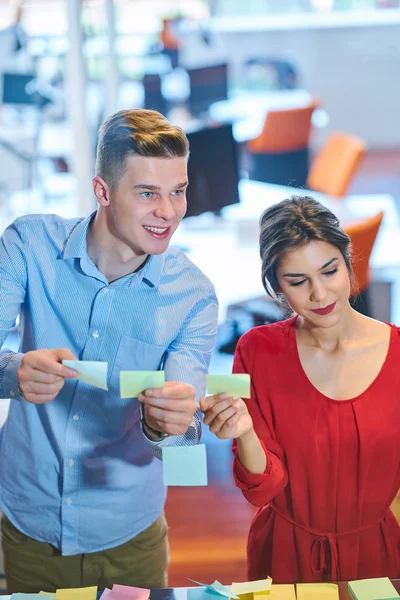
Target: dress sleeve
(258, 489)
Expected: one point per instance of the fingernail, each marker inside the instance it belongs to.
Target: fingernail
(223, 396)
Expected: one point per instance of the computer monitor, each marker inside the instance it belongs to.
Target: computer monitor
(207, 85)
(18, 88)
(153, 97)
(212, 170)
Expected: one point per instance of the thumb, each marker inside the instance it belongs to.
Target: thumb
(64, 354)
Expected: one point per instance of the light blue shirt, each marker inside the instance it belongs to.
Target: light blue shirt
(77, 472)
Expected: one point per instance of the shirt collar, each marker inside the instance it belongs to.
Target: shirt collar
(75, 247)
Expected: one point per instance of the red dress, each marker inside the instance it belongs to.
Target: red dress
(333, 467)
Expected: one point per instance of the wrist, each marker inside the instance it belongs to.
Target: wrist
(152, 434)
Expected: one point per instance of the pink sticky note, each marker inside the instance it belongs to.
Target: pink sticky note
(122, 592)
(107, 594)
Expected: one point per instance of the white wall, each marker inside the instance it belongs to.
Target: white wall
(354, 68)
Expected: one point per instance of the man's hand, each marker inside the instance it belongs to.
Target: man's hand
(227, 417)
(41, 374)
(169, 409)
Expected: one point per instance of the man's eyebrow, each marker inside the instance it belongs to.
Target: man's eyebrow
(303, 274)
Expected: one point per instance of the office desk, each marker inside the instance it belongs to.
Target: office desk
(226, 248)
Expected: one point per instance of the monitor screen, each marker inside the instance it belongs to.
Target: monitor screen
(18, 88)
(212, 170)
(207, 85)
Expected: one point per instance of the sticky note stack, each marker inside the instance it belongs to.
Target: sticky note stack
(373, 589)
(87, 593)
(125, 592)
(316, 591)
(283, 591)
(253, 590)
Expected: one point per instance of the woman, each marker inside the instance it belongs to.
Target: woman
(317, 447)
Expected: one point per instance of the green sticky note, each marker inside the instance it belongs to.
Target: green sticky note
(185, 465)
(370, 589)
(311, 591)
(234, 385)
(133, 383)
(90, 371)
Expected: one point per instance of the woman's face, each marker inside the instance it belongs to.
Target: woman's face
(316, 283)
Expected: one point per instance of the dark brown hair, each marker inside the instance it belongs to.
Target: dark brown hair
(137, 132)
(292, 223)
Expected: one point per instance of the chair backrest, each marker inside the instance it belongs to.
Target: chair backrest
(284, 130)
(363, 235)
(335, 165)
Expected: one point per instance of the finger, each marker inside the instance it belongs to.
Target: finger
(183, 406)
(176, 391)
(38, 398)
(209, 401)
(39, 376)
(219, 407)
(64, 354)
(221, 419)
(165, 417)
(50, 389)
(226, 430)
(52, 367)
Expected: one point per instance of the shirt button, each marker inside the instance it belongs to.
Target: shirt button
(76, 417)
(71, 462)
(105, 291)
(12, 393)
(95, 334)
(69, 501)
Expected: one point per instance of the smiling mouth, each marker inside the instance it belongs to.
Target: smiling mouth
(159, 230)
(324, 311)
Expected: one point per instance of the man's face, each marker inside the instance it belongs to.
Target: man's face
(149, 203)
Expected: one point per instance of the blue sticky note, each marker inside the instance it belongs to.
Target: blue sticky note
(200, 593)
(20, 596)
(185, 465)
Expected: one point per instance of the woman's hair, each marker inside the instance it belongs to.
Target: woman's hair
(291, 224)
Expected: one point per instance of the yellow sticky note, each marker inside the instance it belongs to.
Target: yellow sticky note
(87, 593)
(317, 591)
(133, 383)
(283, 591)
(237, 384)
(90, 371)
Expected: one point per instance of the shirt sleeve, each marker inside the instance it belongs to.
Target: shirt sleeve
(258, 489)
(13, 278)
(187, 360)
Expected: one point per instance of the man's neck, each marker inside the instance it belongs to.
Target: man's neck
(112, 258)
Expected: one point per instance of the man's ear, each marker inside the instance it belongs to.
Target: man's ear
(101, 191)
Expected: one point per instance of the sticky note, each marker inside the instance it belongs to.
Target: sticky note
(251, 587)
(21, 596)
(87, 593)
(283, 591)
(50, 594)
(106, 595)
(133, 383)
(90, 371)
(185, 465)
(234, 385)
(309, 591)
(216, 588)
(122, 592)
(370, 589)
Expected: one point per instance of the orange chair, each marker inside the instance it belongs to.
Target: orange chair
(280, 153)
(335, 165)
(363, 235)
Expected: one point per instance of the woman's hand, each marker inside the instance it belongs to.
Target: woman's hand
(226, 416)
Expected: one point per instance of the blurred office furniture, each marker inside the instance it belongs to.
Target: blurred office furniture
(363, 235)
(212, 170)
(207, 85)
(169, 41)
(153, 97)
(271, 73)
(280, 154)
(335, 165)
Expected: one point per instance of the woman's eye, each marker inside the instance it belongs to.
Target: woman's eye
(297, 283)
(330, 272)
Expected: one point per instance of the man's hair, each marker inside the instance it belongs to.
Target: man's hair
(136, 132)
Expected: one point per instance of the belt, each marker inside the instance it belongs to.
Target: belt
(324, 555)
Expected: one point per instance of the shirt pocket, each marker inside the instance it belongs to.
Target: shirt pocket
(135, 355)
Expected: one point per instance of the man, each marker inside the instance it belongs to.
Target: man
(80, 482)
